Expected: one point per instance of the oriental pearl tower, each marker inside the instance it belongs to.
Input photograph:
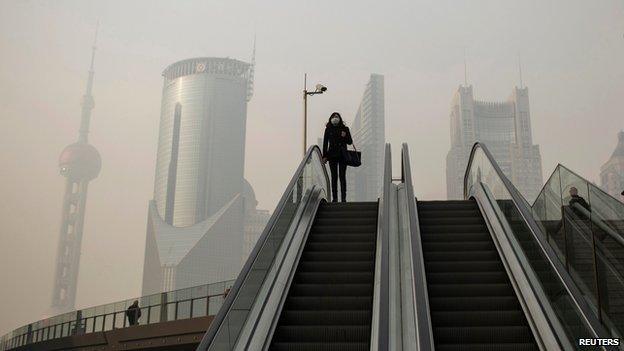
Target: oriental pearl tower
(79, 163)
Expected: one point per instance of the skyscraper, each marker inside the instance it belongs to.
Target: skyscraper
(255, 220)
(79, 163)
(505, 128)
(195, 221)
(612, 172)
(368, 132)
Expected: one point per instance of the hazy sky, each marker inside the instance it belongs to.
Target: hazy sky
(572, 54)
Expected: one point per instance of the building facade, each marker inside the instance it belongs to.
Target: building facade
(612, 172)
(505, 128)
(195, 221)
(364, 183)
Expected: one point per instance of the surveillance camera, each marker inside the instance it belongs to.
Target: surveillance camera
(321, 87)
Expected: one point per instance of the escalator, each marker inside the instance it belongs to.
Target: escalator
(473, 305)
(329, 303)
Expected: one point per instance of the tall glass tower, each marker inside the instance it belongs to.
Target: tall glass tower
(368, 132)
(195, 221)
(505, 128)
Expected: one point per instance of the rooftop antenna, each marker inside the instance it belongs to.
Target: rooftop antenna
(520, 70)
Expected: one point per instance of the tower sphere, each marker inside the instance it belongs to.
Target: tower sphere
(80, 161)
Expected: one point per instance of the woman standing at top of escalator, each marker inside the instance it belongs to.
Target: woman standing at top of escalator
(335, 140)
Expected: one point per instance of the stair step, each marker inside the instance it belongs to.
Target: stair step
(339, 229)
(324, 333)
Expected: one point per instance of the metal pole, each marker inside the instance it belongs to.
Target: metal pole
(305, 112)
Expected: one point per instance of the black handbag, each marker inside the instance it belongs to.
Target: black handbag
(352, 158)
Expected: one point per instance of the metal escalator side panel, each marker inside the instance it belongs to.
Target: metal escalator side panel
(416, 318)
(380, 333)
(261, 331)
(548, 331)
(309, 174)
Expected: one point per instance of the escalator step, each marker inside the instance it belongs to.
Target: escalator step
(331, 289)
(498, 334)
(332, 317)
(372, 213)
(487, 347)
(352, 237)
(464, 228)
(328, 303)
(324, 333)
(486, 255)
(467, 277)
(478, 318)
(338, 256)
(425, 213)
(450, 220)
(347, 221)
(334, 277)
(456, 290)
(463, 266)
(341, 246)
(473, 303)
(446, 205)
(458, 246)
(321, 346)
(336, 266)
(454, 237)
(339, 229)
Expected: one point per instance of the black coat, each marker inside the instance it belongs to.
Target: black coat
(334, 143)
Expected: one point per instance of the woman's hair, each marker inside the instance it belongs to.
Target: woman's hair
(329, 124)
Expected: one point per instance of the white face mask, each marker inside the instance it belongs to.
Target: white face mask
(335, 121)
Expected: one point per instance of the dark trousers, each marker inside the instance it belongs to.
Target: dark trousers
(338, 169)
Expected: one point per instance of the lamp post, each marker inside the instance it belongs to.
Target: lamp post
(320, 89)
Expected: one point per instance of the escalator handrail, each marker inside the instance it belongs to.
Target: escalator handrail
(521, 205)
(383, 332)
(424, 333)
(600, 223)
(231, 296)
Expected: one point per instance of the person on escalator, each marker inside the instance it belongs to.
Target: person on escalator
(335, 140)
(575, 198)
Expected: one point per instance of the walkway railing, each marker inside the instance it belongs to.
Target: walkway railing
(585, 225)
(198, 301)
